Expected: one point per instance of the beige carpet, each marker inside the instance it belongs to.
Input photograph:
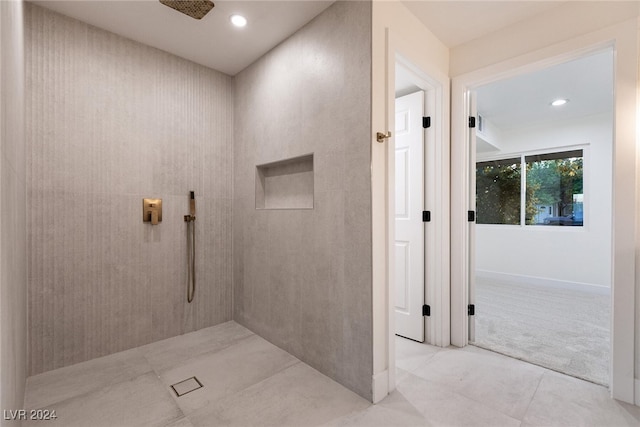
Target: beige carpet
(560, 329)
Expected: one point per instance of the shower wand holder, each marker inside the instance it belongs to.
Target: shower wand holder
(189, 218)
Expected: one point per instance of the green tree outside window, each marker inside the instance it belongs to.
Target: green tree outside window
(554, 189)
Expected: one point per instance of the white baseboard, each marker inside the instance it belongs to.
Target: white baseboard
(543, 281)
(380, 386)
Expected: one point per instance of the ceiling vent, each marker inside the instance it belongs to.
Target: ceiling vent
(196, 9)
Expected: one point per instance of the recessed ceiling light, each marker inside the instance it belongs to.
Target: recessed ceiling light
(559, 102)
(238, 20)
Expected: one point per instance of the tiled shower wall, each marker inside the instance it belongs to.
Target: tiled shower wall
(302, 277)
(13, 255)
(111, 121)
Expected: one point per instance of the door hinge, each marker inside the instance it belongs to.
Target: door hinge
(471, 216)
(426, 216)
(471, 310)
(426, 122)
(472, 122)
(426, 310)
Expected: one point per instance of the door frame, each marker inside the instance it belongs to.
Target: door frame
(623, 39)
(437, 172)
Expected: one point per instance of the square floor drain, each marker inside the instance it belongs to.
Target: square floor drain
(186, 386)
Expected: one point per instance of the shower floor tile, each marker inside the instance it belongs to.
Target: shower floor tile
(232, 369)
(250, 382)
(174, 351)
(296, 396)
(182, 422)
(61, 384)
(140, 401)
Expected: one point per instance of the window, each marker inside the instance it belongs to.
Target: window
(498, 191)
(553, 191)
(554, 181)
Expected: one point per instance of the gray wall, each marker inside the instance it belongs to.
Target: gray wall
(302, 278)
(111, 121)
(13, 236)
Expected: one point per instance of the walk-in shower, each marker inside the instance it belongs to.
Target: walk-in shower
(191, 247)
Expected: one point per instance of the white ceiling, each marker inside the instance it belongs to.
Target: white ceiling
(458, 22)
(215, 43)
(525, 100)
(211, 41)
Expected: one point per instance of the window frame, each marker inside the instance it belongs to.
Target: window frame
(523, 184)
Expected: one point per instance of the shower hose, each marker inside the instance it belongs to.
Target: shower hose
(191, 258)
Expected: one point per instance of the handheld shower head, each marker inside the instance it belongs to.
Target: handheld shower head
(191, 246)
(192, 205)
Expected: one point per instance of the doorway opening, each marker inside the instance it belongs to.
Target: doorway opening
(414, 191)
(541, 160)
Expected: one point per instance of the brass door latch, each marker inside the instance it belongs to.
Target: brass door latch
(380, 137)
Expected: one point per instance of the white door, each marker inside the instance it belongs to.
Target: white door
(409, 235)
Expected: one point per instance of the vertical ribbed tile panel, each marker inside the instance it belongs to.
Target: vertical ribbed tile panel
(13, 236)
(111, 121)
(302, 278)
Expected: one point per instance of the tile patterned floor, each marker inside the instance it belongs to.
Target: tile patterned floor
(249, 382)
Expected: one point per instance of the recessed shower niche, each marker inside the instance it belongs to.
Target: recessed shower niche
(285, 184)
